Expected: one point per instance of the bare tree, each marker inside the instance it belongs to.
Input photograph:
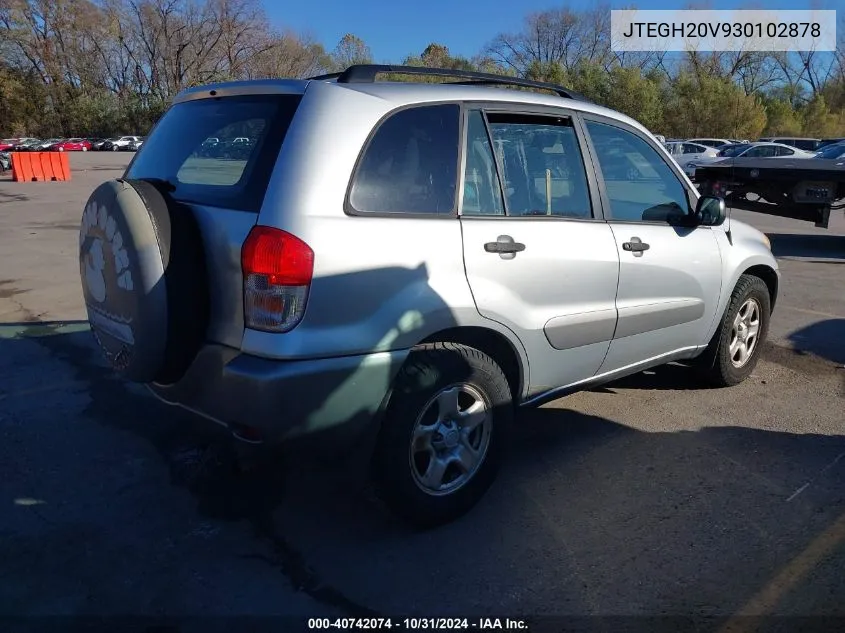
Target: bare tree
(349, 51)
(547, 37)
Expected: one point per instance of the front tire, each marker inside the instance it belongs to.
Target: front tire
(438, 450)
(736, 346)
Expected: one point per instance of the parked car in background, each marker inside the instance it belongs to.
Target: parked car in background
(96, 142)
(711, 142)
(237, 148)
(683, 152)
(806, 144)
(72, 145)
(831, 152)
(134, 146)
(8, 143)
(208, 148)
(5, 161)
(25, 145)
(122, 143)
(750, 150)
(765, 150)
(45, 145)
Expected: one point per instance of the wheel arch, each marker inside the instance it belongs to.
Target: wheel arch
(757, 264)
(493, 343)
(769, 277)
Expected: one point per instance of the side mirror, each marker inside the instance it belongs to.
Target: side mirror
(711, 211)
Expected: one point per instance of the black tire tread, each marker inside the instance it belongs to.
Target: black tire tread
(719, 371)
(401, 495)
(186, 278)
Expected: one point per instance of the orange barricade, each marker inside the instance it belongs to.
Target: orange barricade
(38, 166)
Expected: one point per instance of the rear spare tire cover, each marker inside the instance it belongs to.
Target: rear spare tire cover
(131, 282)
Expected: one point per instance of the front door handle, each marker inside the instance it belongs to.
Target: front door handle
(505, 246)
(636, 246)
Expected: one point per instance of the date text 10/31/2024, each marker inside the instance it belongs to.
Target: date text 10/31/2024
(418, 624)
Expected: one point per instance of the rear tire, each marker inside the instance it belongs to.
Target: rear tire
(439, 447)
(736, 346)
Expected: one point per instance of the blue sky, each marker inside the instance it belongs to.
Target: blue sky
(396, 29)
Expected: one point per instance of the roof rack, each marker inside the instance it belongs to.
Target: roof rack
(324, 77)
(366, 73)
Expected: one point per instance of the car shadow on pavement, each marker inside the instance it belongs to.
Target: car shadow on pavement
(825, 339)
(672, 377)
(588, 516)
(798, 245)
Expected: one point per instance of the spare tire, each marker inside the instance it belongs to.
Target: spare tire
(142, 267)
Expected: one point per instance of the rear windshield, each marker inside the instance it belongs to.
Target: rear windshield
(232, 171)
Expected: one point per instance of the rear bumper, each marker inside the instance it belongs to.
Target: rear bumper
(331, 399)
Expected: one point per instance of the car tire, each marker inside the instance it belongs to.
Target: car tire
(439, 446)
(114, 148)
(736, 346)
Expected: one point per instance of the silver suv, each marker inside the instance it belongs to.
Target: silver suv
(410, 263)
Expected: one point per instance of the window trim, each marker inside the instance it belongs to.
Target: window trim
(498, 107)
(691, 193)
(465, 114)
(350, 210)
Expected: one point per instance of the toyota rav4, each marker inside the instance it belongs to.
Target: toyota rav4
(411, 262)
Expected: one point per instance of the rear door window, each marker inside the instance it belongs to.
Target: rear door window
(230, 174)
(540, 165)
(410, 165)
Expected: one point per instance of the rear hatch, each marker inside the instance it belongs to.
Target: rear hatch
(225, 190)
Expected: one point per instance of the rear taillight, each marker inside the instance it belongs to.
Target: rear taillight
(277, 269)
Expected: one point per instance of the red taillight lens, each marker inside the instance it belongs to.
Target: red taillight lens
(281, 257)
(277, 269)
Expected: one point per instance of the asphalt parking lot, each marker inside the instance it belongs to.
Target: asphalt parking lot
(646, 497)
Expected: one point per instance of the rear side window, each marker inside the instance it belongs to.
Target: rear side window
(411, 164)
(231, 171)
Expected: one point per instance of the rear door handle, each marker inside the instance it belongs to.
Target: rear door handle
(505, 246)
(636, 246)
